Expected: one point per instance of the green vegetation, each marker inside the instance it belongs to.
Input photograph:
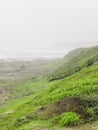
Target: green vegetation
(86, 58)
(38, 103)
(82, 83)
(72, 54)
(67, 119)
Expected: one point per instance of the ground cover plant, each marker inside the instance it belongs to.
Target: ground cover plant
(42, 104)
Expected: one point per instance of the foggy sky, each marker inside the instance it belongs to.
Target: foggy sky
(48, 25)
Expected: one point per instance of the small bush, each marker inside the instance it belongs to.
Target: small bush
(67, 119)
(70, 118)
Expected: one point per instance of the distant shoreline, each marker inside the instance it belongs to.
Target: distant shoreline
(30, 56)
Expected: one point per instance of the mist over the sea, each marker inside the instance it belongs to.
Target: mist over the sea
(5, 55)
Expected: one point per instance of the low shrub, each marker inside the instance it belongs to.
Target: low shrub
(67, 119)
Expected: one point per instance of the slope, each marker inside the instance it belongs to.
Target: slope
(72, 54)
(71, 101)
(42, 107)
(78, 59)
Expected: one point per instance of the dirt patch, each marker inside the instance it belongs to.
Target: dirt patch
(70, 104)
(5, 94)
(73, 104)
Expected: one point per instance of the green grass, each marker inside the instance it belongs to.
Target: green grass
(83, 83)
(67, 119)
(21, 112)
(83, 59)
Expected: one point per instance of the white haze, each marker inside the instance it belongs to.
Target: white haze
(46, 28)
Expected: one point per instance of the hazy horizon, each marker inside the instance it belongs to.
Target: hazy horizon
(33, 54)
(30, 55)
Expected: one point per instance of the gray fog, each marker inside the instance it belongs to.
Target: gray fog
(47, 26)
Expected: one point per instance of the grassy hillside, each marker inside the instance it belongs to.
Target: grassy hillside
(79, 59)
(69, 102)
(72, 54)
(77, 93)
